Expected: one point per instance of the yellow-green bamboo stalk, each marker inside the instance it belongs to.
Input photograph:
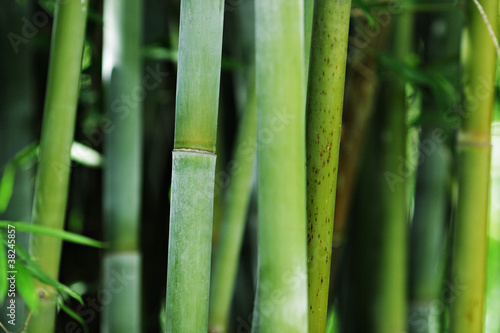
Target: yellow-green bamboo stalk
(325, 96)
(281, 304)
(58, 126)
(193, 170)
(233, 224)
(122, 170)
(474, 154)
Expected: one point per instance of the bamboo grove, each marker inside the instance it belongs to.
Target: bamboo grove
(249, 166)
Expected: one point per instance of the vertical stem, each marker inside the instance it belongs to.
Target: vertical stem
(432, 195)
(124, 93)
(57, 135)
(324, 117)
(281, 304)
(193, 169)
(233, 224)
(474, 153)
(378, 243)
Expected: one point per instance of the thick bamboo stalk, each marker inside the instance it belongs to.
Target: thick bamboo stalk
(281, 304)
(193, 169)
(57, 135)
(122, 170)
(474, 153)
(233, 224)
(325, 98)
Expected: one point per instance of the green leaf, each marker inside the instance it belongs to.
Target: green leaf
(7, 186)
(157, 52)
(62, 234)
(25, 286)
(87, 56)
(3, 269)
(37, 273)
(25, 158)
(71, 313)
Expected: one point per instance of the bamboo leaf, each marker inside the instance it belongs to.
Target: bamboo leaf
(25, 286)
(3, 269)
(71, 313)
(7, 186)
(62, 234)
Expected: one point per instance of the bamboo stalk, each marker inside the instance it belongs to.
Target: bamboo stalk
(281, 301)
(377, 245)
(432, 192)
(122, 170)
(233, 224)
(198, 77)
(57, 136)
(323, 121)
(474, 155)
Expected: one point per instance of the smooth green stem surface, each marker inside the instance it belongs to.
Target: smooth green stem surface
(325, 98)
(58, 126)
(124, 93)
(474, 153)
(193, 166)
(190, 241)
(281, 304)
(198, 74)
(227, 252)
(121, 284)
(308, 27)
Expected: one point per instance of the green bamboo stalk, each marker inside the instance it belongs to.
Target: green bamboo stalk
(57, 136)
(432, 193)
(308, 26)
(474, 154)
(325, 98)
(233, 225)
(493, 277)
(122, 171)
(378, 243)
(193, 169)
(281, 301)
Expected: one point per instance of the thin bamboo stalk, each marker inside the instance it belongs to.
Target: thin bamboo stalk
(57, 136)
(122, 170)
(325, 98)
(432, 191)
(474, 155)
(281, 301)
(193, 170)
(233, 224)
(378, 244)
